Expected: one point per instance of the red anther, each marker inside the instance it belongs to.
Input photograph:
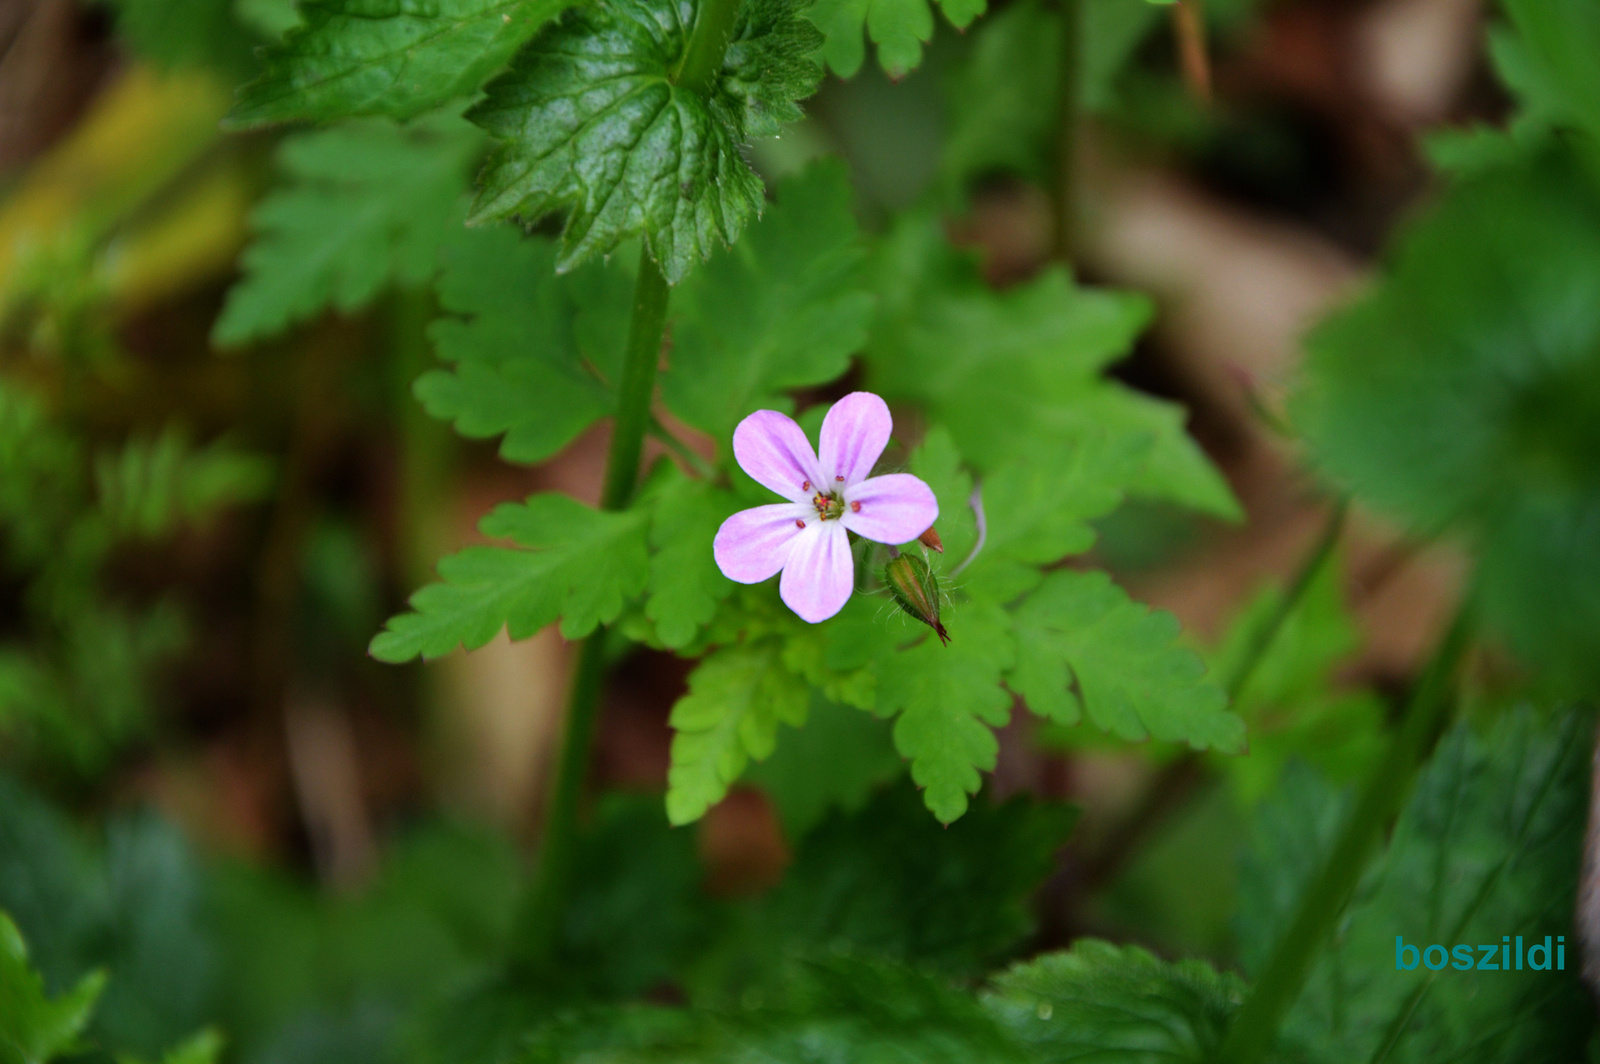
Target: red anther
(805, 485)
(855, 507)
(798, 523)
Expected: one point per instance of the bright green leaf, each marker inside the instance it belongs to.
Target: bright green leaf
(571, 562)
(366, 205)
(591, 121)
(899, 29)
(35, 1028)
(685, 583)
(950, 700)
(737, 698)
(1083, 647)
(396, 58)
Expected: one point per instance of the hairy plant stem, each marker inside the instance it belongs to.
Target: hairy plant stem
(539, 918)
(1064, 161)
(1255, 1027)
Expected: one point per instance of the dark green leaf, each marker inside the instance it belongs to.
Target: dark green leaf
(35, 1028)
(591, 121)
(396, 58)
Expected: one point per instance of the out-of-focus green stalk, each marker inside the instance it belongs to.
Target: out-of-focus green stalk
(1255, 1027)
(1069, 105)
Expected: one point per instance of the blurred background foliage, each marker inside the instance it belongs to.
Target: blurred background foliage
(226, 832)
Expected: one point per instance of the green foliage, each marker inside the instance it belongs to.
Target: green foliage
(521, 364)
(641, 154)
(1559, 39)
(1464, 393)
(737, 698)
(898, 29)
(131, 906)
(35, 1028)
(1126, 668)
(1292, 702)
(571, 562)
(784, 309)
(152, 486)
(1487, 847)
(366, 206)
(1019, 374)
(886, 880)
(685, 585)
(1120, 1003)
(999, 118)
(396, 58)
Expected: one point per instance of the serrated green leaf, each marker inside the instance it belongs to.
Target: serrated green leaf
(511, 335)
(397, 58)
(1084, 646)
(367, 205)
(1463, 393)
(572, 562)
(1019, 375)
(950, 700)
(737, 698)
(685, 583)
(1105, 1002)
(785, 308)
(149, 486)
(1560, 38)
(35, 1028)
(591, 120)
(898, 28)
(1488, 846)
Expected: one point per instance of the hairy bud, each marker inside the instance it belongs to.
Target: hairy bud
(916, 589)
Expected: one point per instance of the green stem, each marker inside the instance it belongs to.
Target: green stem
(1069, 104)
(701, 468)
(1255, 1028)
(539, 919)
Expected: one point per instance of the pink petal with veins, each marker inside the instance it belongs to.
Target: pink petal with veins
(854, 434)
(819, 573)
(896, 508)
(775, 452)
(753, 544)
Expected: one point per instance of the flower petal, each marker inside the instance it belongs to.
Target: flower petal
(753, 545)
(776, 454)
(896, 508)
(854, 434)
(819, 575)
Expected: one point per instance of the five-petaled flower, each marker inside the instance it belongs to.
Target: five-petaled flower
(830, 496)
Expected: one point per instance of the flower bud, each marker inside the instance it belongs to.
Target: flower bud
(916, 589)
(931, 540)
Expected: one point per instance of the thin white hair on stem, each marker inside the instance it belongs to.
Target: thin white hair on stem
(976, 502)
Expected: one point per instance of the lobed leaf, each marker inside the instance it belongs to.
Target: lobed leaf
(366, 205)
(1083, 647)
(737, 698)
(34, 1027)
(572, 562)
(898, 28)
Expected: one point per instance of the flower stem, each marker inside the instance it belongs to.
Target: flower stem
(539, 918)
(1189, 22)
(1255, 1027)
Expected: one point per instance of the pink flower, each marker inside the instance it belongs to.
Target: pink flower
(806, 537)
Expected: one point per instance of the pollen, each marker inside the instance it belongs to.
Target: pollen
(805, 485)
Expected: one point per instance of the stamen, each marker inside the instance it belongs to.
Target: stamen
(798, 523)
(839, 478)
(805, 485)
(855, 507)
